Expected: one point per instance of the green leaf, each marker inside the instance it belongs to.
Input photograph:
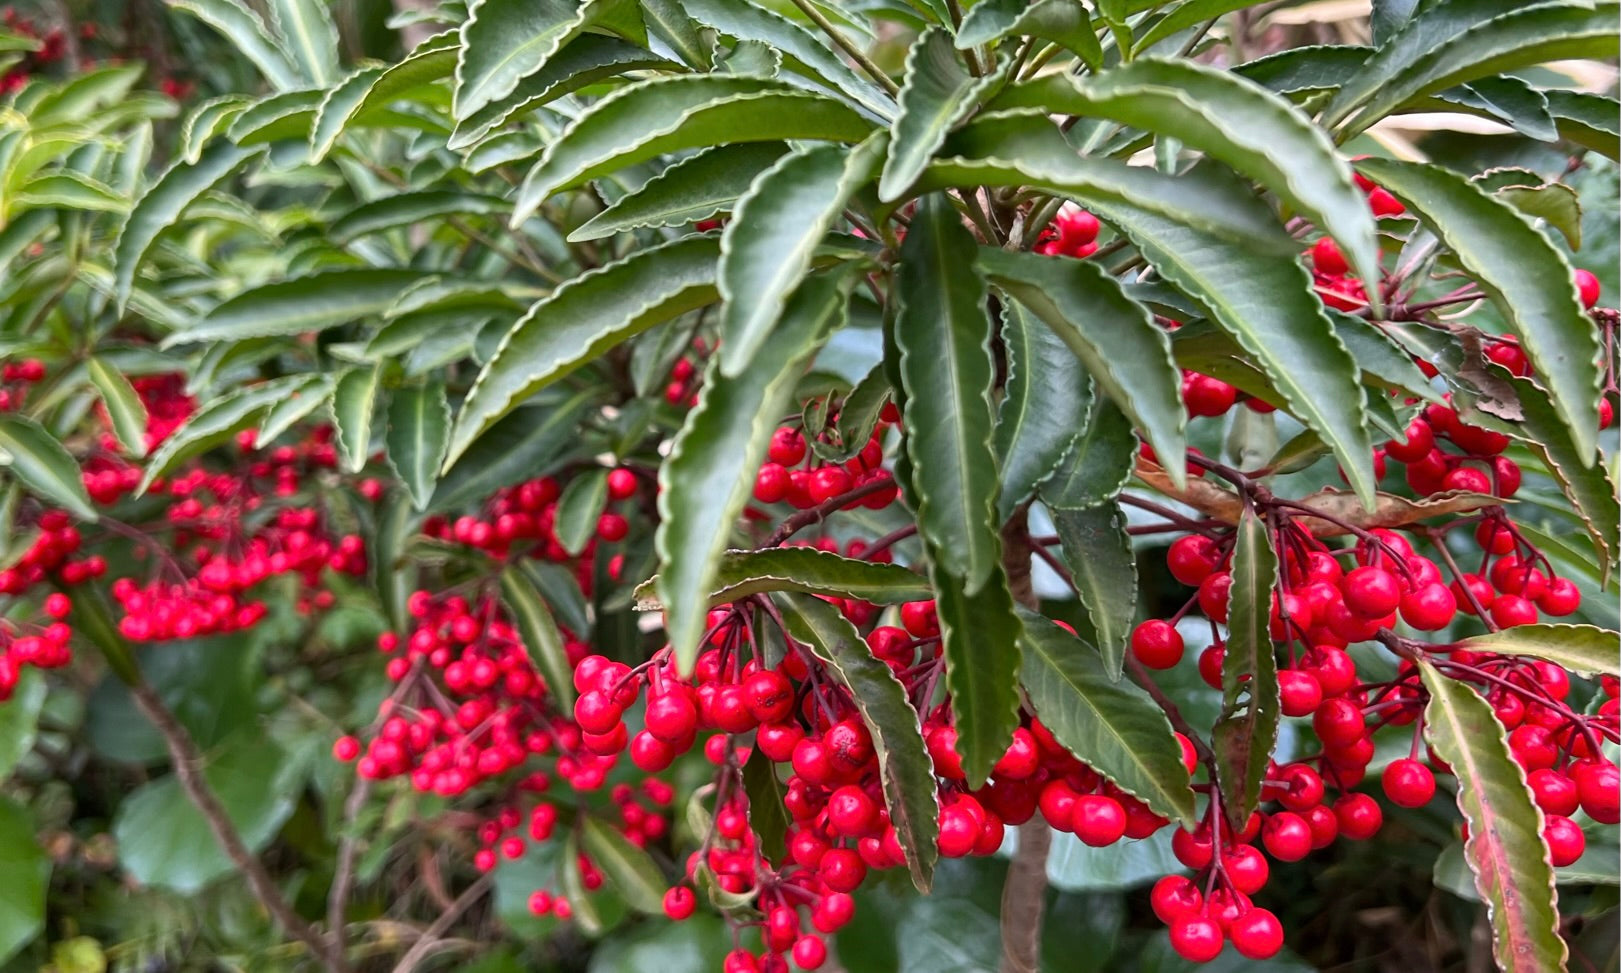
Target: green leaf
(1379, 357)
(1064, 22)
(905, 770)
(35, 459)
(1231, 119)
(247, 33)
(1098, 552)
(573, 887)
(1114, 727)
(579, 508)
(1528, 279)
(1587, 119)
(1265, 304)
(767, 246)
(1586, 649)
(691, 189)
(392, 573)
(582, 319)
(632, 872)
(1389, 17)
(300, 401)
(521, 591)
(708, 476)
(805, 52)
(805, 569)
(938, 94)
(585, 60)
(366, 94)
(163, 839)
(768, 815)
(1248, 729)
(516, 448)
(25, 874)
(418, 433)
(1506, 99)
(310, 36)
(652, 118)
(273, 118)
(1046, 403)
(1505, 848)
(72, 191)
(163, 205)
(354, 400)
(123, 406)
(1181, 16)
(1451, 43)
(1098, 465)
(943, 331)
(979, 637)
(1115, 337)
(290, 307)
(19, 725)
(505, 41)
(1555, 203)
(859, 413)
(405, 209)
(1306, 70)
(215, 423)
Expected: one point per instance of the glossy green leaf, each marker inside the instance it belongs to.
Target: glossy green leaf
(1265, 304)
(1452, 43)
(1113, 726)
(1379, 357)
(19, 725)
(418, 434)
(651, 118)
(354, 402)
(1181, 16)
(273, 118)
(806, 52)
(405, 209)
(1248, 729)
(123, 406)
(505, 41)
(859, 412)
(804, 569)
(296, 406)
(1098, 552)
(1064, 22)
(1116, 338)
(310, 36)
(25, 873)
(1555, 203)
(521, 593)
(767, 814)
(215, 423)
(1046, 403)
(521, 445)
(579, 508)
(1098, 465)
(1231, 119)
(937, 95)
(1588, 119)
(979, 635)
(291, 307)
(767, 246)
(1505, 848)
(1586, 649)
(34, 458)
(1526, 276)
(582, 319)
(248, 34)
(163, 205)
(708, 476)
(366, 94)
(632, 873)
(905, 770)
(1306, 70)
(572, 887)
(71, 191)
(692, 189)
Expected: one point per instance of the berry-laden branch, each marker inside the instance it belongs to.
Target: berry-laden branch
(1024, 890)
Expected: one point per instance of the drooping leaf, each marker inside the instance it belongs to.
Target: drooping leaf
(980, 643)
(418, 434)
(1555, 203)
(286, 115)
(1098, 552)
(248, 34)
(1064, 22)
(766, 248)
(1526, 276)
(19, 723)
(1045, 407)
(708, 476)
(1231, 119)
(521, 445)
(354, 402)
(937, 95)
(521, 593)
(905, 770)
(943, 330)
(580, 320)
(215, 423)
(1098, 464)
(859, 412)
(767, 814)
(805, 569)
(1115, 337)
(572, 887)
(71, 190)
(1505, 850)
(25, 873)
(310, 37)
(1265, 304)
(505, 41)
(366, 94)
(631, 871)
(290, 307)
(692, 189)
(579, 508)
(123, 406)
(298, 404)
(651, 118)
(163, 205)
(1586, 649)
(1587, 119)
(1379, 357)
(34, 458)
(1248, 729)
(1113, 726)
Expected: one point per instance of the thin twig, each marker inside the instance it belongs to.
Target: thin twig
(422, 947)
(856, 54)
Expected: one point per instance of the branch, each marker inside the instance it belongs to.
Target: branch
(856, 54)
(1023, 897)
(422, 947)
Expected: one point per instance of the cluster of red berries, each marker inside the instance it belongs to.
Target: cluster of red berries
(1072, 233)
(793, 474)
(15, 380)
(44, 648)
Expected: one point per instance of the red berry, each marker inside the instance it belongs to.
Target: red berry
(1257, 934)
(1372, 592)
(1157, 644)
(1359, 816)
(1287, 836)
(810, 952)
(1193, 558)
(1408, 783)
(345, 749)
(1097, 820)
(1300, 692)
(1327, 258)
(1196, 939)
(1175, 897)
(1587, 287)
(1565, 839)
